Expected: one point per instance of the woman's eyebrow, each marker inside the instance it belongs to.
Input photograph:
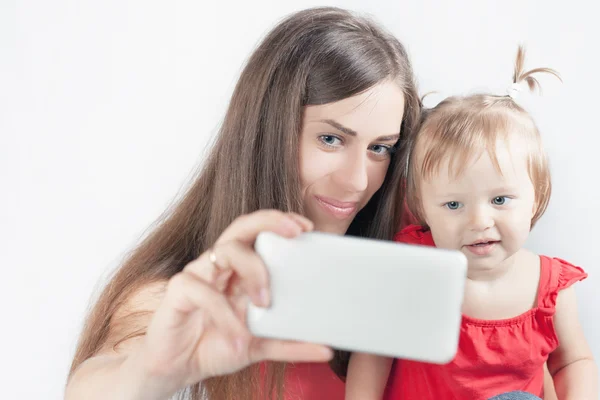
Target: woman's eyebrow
(340, 127)
(352, 132)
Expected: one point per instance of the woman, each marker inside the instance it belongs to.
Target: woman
(312, 130)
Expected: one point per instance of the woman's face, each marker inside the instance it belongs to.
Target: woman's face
(345, 153)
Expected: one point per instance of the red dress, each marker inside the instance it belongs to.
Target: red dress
(495, 356)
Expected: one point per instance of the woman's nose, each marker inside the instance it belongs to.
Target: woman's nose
(353, 175)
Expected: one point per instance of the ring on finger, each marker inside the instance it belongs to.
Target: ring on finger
(212, 257)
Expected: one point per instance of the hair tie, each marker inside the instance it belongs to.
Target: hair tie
(514, 90)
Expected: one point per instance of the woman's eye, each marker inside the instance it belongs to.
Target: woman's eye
(453, 205)
(330, 140)
(381, 149)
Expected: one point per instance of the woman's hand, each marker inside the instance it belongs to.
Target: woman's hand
(199, 329)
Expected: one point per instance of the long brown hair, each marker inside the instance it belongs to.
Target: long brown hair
(315, 56)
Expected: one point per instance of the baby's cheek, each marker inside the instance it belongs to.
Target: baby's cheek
(521, 225)
(518, 234)
(445, 240)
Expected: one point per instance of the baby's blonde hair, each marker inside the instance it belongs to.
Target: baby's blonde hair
(460, 128)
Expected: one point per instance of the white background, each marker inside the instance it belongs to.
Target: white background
(106, 108)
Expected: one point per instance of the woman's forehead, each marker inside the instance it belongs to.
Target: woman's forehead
(377, 111)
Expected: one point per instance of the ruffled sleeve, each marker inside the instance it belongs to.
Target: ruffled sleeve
(560, 274)
(415, 234)
(568, 273)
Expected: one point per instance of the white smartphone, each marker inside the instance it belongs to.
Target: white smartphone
(362, 295)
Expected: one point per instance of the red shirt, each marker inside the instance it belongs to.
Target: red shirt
(494, 356)
(312, 381)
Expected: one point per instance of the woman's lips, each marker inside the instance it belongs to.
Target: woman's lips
(339, 209)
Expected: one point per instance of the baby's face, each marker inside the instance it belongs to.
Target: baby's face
(483, 213)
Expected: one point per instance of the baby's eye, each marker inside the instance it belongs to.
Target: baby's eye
(500, 200)
(453, 205)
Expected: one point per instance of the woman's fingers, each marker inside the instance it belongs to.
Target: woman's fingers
(234, 252)
(187, 294)
(288, 351)
(234, 257)
(247, 227)
(306, 223)
(216, 284)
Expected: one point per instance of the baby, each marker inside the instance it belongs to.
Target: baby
(478, 180)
